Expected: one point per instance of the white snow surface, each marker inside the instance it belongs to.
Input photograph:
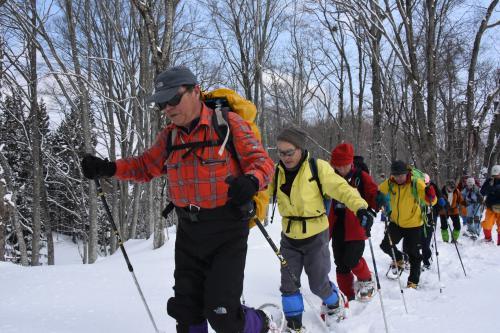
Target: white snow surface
(74, 298)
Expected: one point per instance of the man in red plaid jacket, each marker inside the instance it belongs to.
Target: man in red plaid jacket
(209, 188)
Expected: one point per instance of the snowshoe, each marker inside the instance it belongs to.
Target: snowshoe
(411, 285)
(425, 267)
(334, 314)
(365, 290)
(396, 269)
(487, 240)
(470, 234)
(295, 330)
(275, 317)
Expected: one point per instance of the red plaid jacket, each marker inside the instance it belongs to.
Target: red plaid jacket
(199, 178)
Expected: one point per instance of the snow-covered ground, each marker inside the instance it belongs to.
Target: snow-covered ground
(70, 297)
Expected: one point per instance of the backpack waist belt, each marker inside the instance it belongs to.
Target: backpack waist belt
(302, 219)
(196, 214)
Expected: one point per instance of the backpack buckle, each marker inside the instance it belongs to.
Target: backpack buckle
(192, 212)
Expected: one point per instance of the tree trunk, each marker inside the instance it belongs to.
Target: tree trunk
(4, 218)
(361, 93)
(85, 114)
(3, 223)
(35, 142)
(48, 225)
(135, 211)
(376, 89)
(15, 215)
(491, 151)
(471, 84)
(431, 163)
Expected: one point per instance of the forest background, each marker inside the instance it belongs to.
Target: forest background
(417, 80)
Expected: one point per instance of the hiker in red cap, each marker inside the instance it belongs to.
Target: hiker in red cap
(348, 236)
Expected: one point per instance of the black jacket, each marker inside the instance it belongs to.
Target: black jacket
(491, 189)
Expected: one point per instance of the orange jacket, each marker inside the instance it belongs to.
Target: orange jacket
(198, 178)
(453, 208)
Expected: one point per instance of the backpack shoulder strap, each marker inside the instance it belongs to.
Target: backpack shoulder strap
(275, 180)
(172, 135)
(313, 165)
(357, 178)
(221, 126)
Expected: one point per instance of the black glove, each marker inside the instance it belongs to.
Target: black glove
(95, 167)
(242, 189)
(366, 220)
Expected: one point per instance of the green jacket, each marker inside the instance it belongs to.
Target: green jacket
(306, 201)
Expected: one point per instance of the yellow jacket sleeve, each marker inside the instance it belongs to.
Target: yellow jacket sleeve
(336, 187)
(384, 187)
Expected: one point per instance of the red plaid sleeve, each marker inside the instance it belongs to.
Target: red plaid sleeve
(147, 166)
(253, 158)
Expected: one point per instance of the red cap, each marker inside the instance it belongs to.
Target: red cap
(343, 154)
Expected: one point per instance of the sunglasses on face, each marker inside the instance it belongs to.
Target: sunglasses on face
(286, 153)
(173, 101)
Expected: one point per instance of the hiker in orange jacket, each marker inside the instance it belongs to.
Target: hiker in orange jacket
(211, 190)
(450, 202)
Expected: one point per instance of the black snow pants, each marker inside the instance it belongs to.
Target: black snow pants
(411, 246)
(210, 256)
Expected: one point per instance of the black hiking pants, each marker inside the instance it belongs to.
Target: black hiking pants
(210, 259)
(411, 246)
(427, 233)
(454, 218)
(345, 253)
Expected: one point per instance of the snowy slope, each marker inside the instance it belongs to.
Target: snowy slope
(71, 298)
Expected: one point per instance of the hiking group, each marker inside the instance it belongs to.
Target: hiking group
(220, 179)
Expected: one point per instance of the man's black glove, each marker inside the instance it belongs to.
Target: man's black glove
(242, 189)
(95, 167)
(366, 220)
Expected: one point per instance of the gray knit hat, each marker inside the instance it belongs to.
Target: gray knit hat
(294, 135)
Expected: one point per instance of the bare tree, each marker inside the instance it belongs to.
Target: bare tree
(246, 32)
(160, 46)
(471, 132)
(11, 188)
(35, 140)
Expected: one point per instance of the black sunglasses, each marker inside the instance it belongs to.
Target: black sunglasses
(173, 101)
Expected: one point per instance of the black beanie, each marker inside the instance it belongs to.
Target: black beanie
(293, 135)
(399, 167)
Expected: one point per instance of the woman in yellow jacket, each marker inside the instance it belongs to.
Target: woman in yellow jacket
(305, 235)
(405, 217)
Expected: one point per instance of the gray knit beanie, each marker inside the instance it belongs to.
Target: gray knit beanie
(293, 135)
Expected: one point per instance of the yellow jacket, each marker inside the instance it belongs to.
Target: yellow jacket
(306, 201)
(405, 210)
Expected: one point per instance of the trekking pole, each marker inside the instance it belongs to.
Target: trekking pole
(100, 193)
(376, 275)
(458, 252)
(437, 253)
(395, 263)
(284, 265)
(378, 285)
